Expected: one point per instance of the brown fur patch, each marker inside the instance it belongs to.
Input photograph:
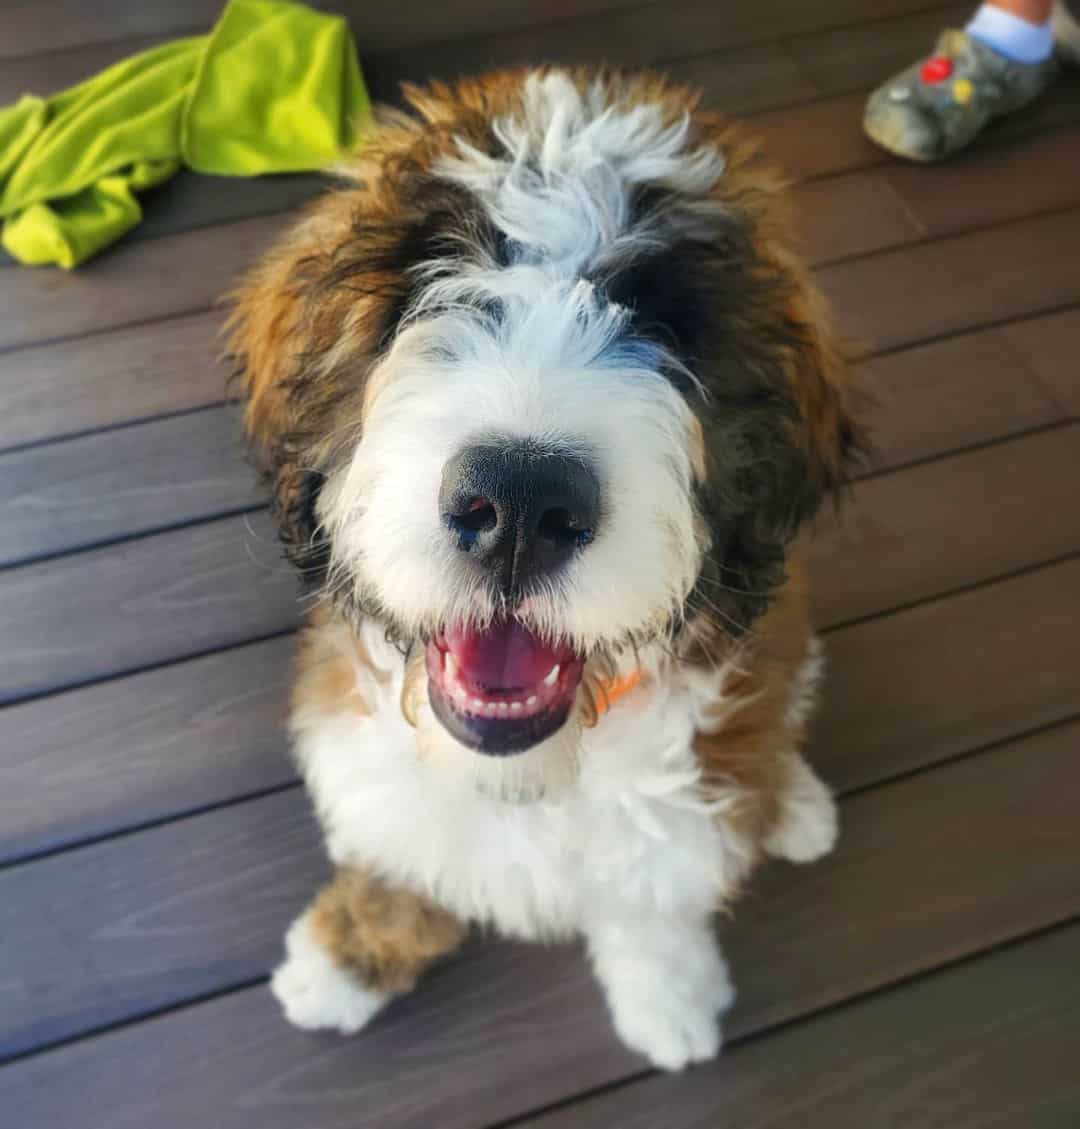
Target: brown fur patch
(332, 668)
(746, 742)
(384, 936)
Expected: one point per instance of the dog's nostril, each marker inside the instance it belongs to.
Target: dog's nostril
(563, 527)
(477, 516)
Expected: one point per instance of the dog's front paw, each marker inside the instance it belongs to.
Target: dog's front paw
(314, 992)
(669, 1029)
(807, 826)
(668, 1009)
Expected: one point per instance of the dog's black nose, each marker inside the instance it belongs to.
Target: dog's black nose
(520, 511)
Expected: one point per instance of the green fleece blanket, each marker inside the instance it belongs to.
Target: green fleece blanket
(275, 87)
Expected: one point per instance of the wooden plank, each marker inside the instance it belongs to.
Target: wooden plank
(191, 200)
(863, 55)
(931, 869)
(963, 282)
(818, 139)
(48, 72)
(1048, 346)
(932, 528)
(108, 378)
(982, 186)
(148, 747)
(151, 918)
(641, 36)
(935, 681)
(824, 138)
(991, 1042)
(132, 282)
(33, 26)
(859, 213)
(851, 215)
(140, 603)
(113, 484)
(382, 27)
(952, 394)
(747, 80)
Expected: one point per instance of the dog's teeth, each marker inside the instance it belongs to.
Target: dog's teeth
(531, 700)
(515, 706)
(459, 693)
(450, 665)
(503, 708)
(476, 704)
(552, 676)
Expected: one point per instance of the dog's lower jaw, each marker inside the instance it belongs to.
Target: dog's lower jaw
(544, 772)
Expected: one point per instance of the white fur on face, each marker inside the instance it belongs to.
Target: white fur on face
(554, 365)
(562, 188)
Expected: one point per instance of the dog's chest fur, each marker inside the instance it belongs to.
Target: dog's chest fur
(633, 827)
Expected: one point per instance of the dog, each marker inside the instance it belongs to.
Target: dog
(545, 394)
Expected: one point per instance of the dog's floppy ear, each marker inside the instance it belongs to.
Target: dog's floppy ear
(785, 450)
(826, 397)
(774, 400)
(272, 339)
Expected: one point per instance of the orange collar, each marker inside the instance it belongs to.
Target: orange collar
(611, 692)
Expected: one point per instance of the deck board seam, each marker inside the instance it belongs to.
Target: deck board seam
(764, 1030)
(949, 593)
(1062, 423)
(117, 425)
(772, 1028)
(947, 236)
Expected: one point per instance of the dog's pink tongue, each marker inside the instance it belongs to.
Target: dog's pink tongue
(506, 656)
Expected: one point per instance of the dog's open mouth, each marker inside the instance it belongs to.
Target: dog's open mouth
(503, 689)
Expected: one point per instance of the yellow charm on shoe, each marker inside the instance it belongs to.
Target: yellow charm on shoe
(962, 90)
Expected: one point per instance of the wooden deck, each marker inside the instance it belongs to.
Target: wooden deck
(154, 842)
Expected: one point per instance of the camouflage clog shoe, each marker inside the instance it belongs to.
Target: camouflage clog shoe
(940, 104)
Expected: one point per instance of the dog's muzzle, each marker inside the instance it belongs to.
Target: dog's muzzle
(520, 513)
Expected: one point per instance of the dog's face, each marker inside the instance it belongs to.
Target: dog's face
(547, 388)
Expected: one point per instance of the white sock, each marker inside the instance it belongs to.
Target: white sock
(1011, 35)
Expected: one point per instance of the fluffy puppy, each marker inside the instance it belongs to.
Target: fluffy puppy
(544, 396)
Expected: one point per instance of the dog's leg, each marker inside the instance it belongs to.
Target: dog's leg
(666, 984)
(806, 824)
(356, 946)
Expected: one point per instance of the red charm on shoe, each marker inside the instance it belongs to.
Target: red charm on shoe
(936, 69)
